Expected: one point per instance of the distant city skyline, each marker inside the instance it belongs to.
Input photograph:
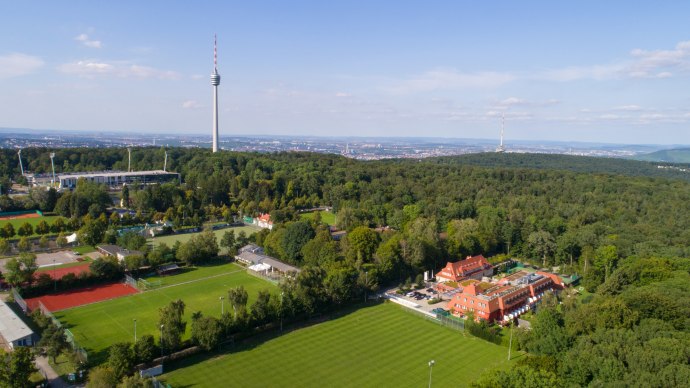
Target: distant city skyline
(586, 71)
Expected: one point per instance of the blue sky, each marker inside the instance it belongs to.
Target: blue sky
(600, 71)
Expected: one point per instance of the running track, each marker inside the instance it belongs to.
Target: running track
(81, 296)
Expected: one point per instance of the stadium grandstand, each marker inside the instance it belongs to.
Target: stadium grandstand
(109, 178)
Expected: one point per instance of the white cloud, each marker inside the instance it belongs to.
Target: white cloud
(440, 79)
(191, 104)
(343, 94)
(641, 64)
(122, 69)
(573, 73)
(84, 39)
(628, 108)
(17, 64)
(510, 101)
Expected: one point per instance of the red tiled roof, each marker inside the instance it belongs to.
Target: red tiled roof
(463, 268)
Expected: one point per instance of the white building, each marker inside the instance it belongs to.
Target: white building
(13, 329)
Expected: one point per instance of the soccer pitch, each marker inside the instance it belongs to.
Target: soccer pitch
(99, 325)
(32, 221)
(169, 240)
(378, 346)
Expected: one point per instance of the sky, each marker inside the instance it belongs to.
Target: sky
(594, 71)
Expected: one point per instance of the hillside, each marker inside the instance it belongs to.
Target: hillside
(579, 164)
(679, 155)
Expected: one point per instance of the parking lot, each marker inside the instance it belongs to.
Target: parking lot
(420, 298)
(57, 258)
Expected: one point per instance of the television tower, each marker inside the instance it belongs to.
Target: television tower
(501, 148)
(215, 81)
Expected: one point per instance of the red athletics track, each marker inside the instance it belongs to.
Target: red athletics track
(58, 273)
(81, 296)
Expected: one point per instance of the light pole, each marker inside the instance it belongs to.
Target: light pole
(431, 365)
(366, 284)
(135, 330)
(54, 276)
(510, 346)
(222, 307)
(281, 311)
(161, 341)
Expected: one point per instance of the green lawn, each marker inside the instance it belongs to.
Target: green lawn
(99, 325)
(33, 221)
(193, 273)
(327, 217)
(68, 265)
(378, 346)
(84, 249)
(170, 239)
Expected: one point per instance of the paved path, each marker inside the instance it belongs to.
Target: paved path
(53, 378)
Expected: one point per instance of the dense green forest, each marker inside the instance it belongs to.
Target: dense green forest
(634, 332)
(562, 217)
(623, 225)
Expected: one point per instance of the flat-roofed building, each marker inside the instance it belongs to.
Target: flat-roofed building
(14, 331)
(507, 299)
(118, 252)
(266, 265)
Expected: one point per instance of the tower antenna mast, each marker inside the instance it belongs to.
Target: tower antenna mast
(501, 147)
(215, 81)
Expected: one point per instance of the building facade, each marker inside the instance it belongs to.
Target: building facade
(505, 300)
(473, 267)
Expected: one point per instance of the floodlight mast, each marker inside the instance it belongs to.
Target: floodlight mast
(52, 164)
(21, 166)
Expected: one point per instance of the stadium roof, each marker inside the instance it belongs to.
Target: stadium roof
(114, 173)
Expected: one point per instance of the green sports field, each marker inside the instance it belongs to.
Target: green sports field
(170, 239)
(33, 221)
(327, 217)
(378, 346)
(99, 325)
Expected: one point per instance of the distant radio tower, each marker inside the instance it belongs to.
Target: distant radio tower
(129, 159)
(165, 163)
(215, 81)
(501, 147)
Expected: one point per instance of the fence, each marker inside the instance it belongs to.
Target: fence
(275, 279)
(447, 321)
(143, 284)
(159, 384)
(132, 282)
(19, 300)
(81, 352)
